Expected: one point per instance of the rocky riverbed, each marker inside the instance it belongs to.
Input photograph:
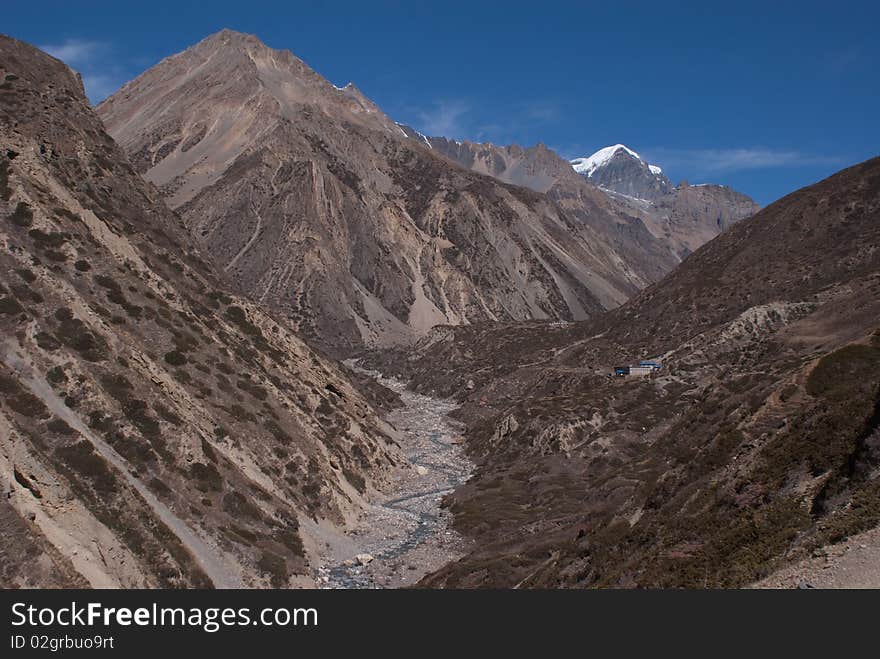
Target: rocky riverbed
(405, 534)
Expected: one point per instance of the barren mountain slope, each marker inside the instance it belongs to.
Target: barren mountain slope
(315, 202)
(690, 215)
(155, 430)
(756, 443)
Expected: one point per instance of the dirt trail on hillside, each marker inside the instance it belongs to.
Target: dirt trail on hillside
(405, 533)
(222, 574)
(854, 563)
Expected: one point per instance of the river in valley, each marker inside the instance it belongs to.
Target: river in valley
(405, 534)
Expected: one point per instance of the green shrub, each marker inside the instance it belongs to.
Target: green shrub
(9, 306)
(238, 505)
(107, 282)
(59, 426)
(27, 275)
(5, 192)
(23, 216)
(136, 411)
(20, 400)
(44, 239)
(117, 385)
(276, 567)
(73, 333)
(47, 342)
(175, 358)
(208, 450)
(184, 342)
(97, 421)
(289, 538)
(208, 479)
(81, 461)
(355, 479)
(277, 431)
(160, 488)
(56, 375)
(166, 414)
(240, 413)
(253, 389)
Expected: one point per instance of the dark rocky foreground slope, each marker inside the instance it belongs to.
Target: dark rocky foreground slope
(756, 443)
(155, 429)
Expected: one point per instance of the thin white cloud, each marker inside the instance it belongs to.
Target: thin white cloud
(542, 111)
(444, 119)
(75, 52)
(101, 74)
(731, 160)
(464, 119)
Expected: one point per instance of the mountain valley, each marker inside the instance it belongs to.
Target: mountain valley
(258, 334)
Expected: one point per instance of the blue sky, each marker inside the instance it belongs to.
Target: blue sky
(763, 96)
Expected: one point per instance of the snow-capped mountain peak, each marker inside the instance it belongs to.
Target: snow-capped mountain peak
(590, 164)
(619, 169)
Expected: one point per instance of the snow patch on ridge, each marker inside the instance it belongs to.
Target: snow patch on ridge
(404, 128)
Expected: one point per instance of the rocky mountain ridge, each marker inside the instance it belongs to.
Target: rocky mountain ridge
(316, 203)
(677, 219)
(362, 231)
